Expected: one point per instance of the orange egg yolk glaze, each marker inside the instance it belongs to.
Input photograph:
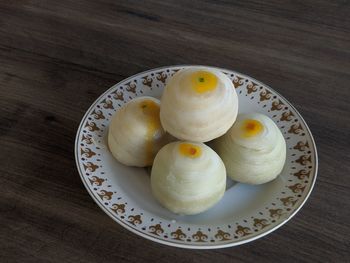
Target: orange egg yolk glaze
(251, 128)
(203, 81)
(190, 150)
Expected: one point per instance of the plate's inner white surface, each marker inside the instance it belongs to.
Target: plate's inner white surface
(239, 201)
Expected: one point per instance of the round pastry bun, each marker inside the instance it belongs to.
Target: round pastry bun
(198, 104)
(135, 134)
(188, 178)
(253, 150)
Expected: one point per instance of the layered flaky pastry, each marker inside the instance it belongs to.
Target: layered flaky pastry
(135, 134)
(253, 150)
(198, 104)
(188, 178)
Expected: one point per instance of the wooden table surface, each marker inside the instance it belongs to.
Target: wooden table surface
(57, 57)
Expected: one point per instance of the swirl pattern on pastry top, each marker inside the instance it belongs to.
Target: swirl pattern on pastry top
(135, 133)
(198, 104)
(188, 178)
(253, 150)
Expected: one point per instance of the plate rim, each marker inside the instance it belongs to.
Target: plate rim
(184, 245)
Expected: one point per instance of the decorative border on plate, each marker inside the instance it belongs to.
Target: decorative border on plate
(299, 186)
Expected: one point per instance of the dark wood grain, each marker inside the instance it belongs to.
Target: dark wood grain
(57, 57)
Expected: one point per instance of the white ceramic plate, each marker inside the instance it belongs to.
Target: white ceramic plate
(244, 214)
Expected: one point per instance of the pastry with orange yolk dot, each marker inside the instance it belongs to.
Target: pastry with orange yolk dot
(251, 128)
(135, 134)
(253, 150)
(188, 178)
(198, 104)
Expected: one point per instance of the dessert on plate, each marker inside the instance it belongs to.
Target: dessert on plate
(188, 178)
(198, 104)
(253, 150)
(135, 134)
